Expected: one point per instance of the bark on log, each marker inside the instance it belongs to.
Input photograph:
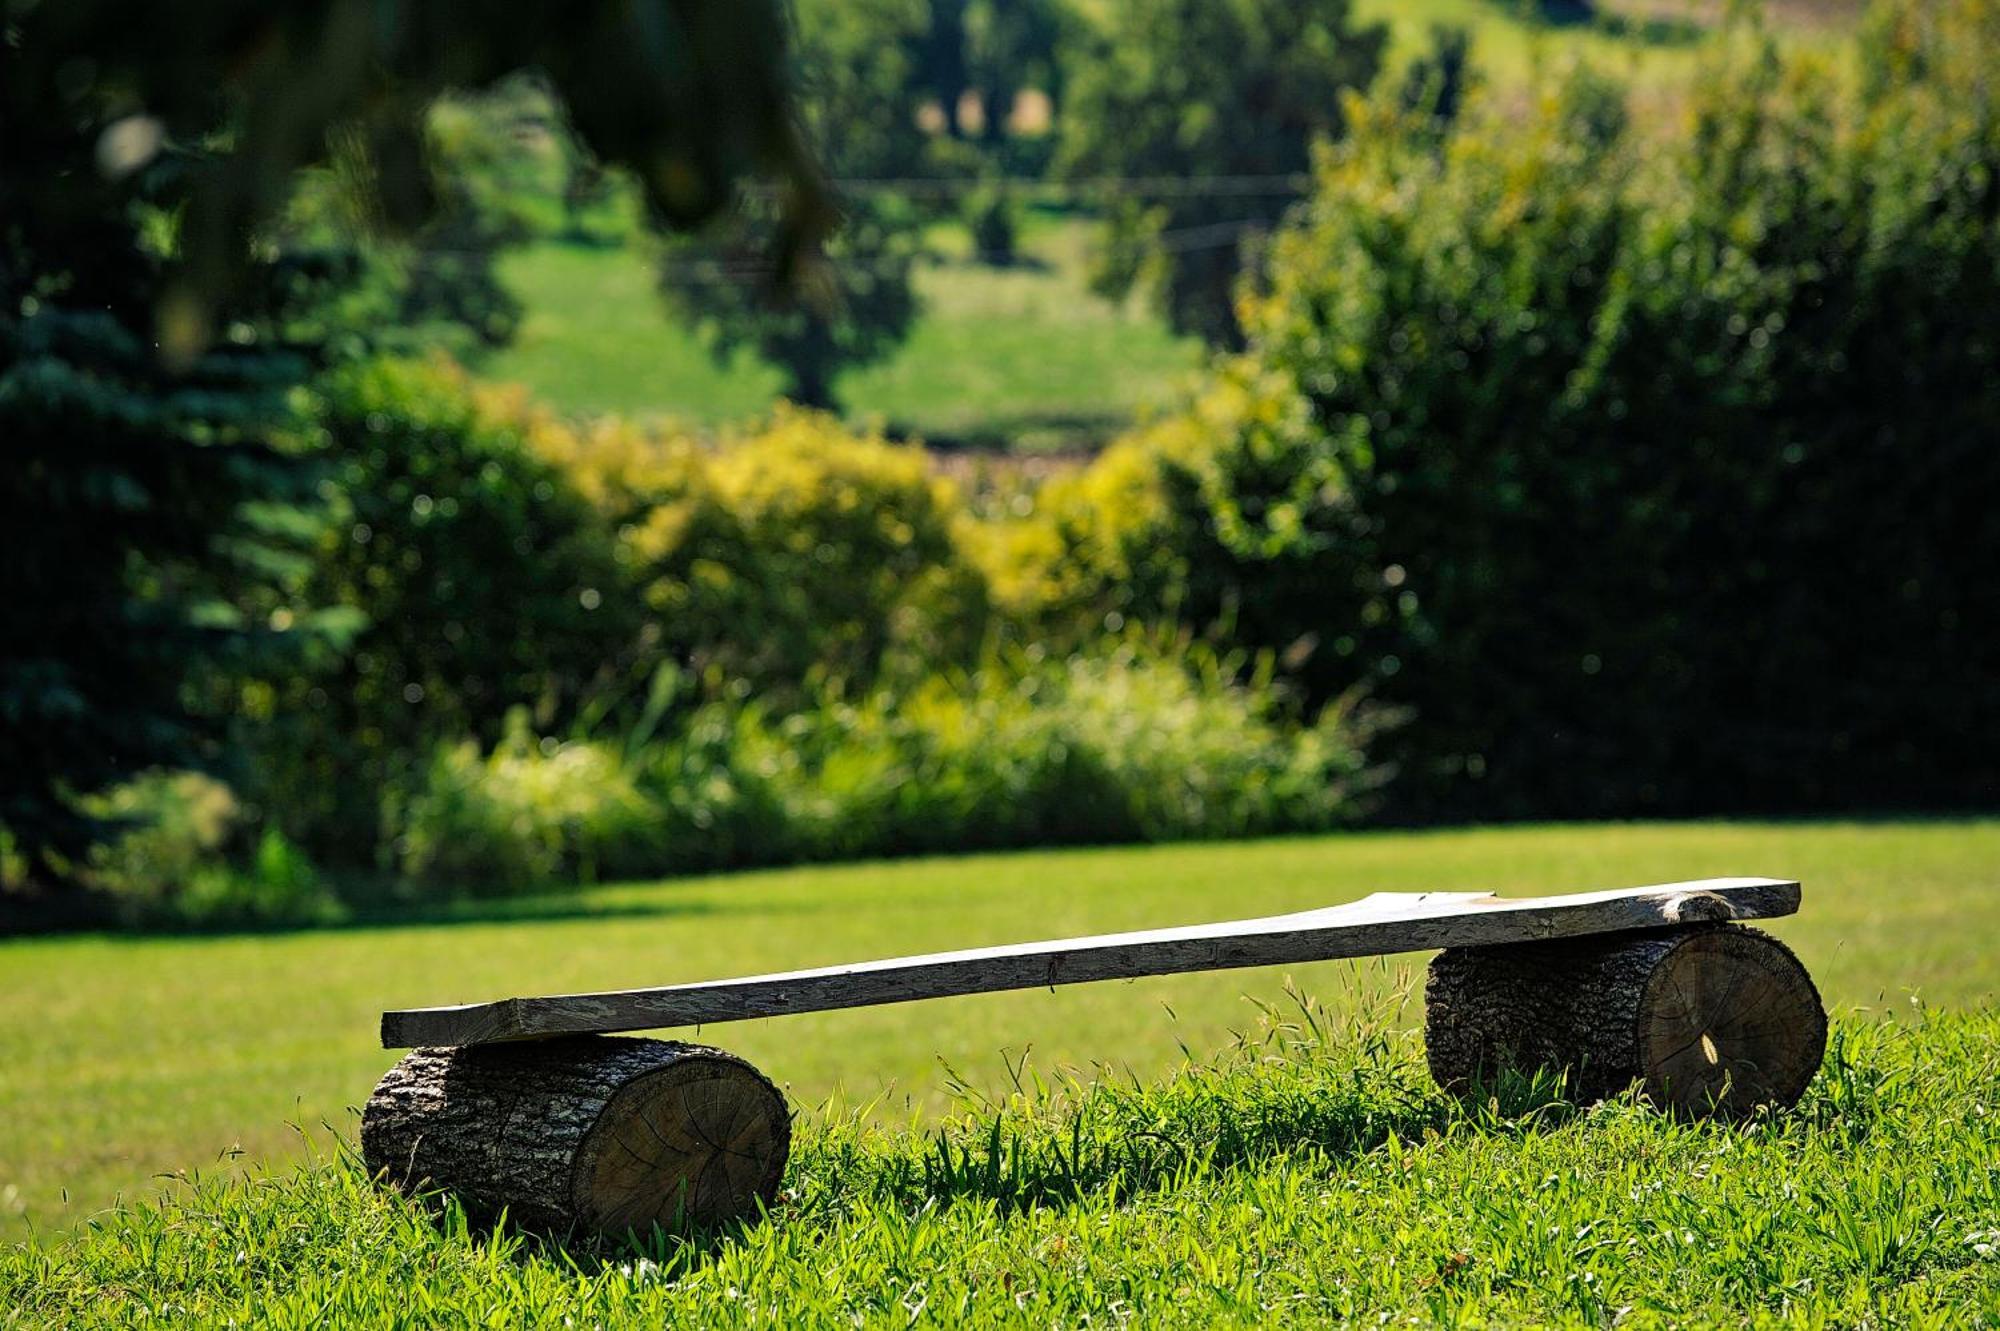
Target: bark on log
(600, 1133)
(1712, 1019)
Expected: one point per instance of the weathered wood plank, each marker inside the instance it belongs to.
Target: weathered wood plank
(1384, 923)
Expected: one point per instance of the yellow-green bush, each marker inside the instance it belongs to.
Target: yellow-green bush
(794, 548)
(1090, 542)
(1142, 739)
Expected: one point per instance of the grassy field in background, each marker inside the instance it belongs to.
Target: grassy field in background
(1022, 354)
(1652, 41)
(128, 1057)
(1506, 44)
(596, 337)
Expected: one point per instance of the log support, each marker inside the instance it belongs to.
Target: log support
(588, 1132)
(1709, 1019)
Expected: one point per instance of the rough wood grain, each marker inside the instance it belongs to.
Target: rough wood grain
(1709, 1019)
(605, 1134)
(1383, 923)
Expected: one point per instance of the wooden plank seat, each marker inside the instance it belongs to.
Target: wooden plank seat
(1386, 922)
(522, 1102)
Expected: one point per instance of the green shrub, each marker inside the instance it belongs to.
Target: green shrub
(1653, 472)
(277, 886)
(1137, 741)
(1143, 740)
(467, 577)
(174, 823)
(185, 858)
(528, 814)
(794, 549)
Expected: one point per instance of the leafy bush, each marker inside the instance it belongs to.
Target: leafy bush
(182, 859)
(526, 815)
(1144, 740)
(1083, 545)
(1137, 741)
(458, 575)
(794, 549)
(1654, 473)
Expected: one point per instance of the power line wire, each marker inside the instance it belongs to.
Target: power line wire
(1182, 240)
(1159, 187)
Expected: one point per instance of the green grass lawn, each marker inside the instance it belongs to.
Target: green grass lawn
(1652, 41)
(1309, 1178)
(131, 1057)
(596, 337)
(1021, 355)
(1506, 46)
(1307, 1173)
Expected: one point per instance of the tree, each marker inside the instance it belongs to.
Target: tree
(1645, 474)
(941, 60)
(858, 102)
(1012, 45)
(1226, 96)
(431, 281)
(854, 308)
(148, 349)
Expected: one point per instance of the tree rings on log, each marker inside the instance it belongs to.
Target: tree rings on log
(1709, 1020)
(593, 1132)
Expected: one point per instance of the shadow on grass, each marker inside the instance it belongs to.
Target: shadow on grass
(80, 916)
(1310, 1089)
(517, 910)
(1131, 1142)
(1052, 437)
(1119, 1145)
(1640, 28)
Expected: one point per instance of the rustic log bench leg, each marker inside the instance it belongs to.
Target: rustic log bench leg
(601, 1133)
(1710, 1019)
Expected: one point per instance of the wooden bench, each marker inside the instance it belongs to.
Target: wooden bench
(525, 1103)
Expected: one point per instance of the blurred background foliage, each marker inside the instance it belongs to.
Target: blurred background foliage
(1580, 436)
(1232, 93)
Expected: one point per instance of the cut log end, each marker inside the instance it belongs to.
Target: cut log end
(703, 1137)
(1712, 1020)
(594, 1133)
